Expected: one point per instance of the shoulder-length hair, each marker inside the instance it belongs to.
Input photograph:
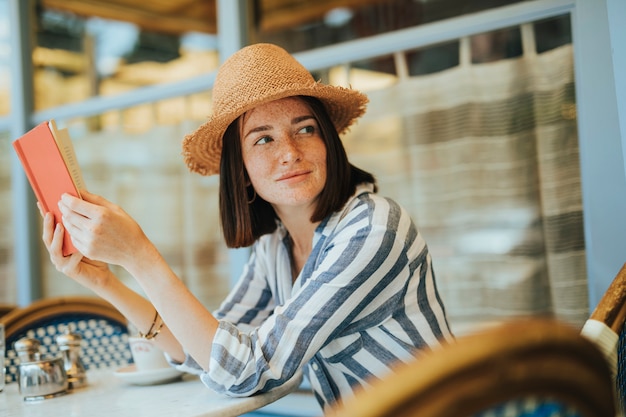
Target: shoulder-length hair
(245, 216)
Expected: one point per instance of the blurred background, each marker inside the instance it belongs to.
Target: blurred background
(473, 126)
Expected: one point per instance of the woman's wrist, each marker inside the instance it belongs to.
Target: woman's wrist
(107, 286)
(145, 261)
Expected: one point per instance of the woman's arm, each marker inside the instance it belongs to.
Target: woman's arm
(103, 232)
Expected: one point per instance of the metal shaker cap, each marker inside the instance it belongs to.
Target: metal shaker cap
(27, 349)
(68, 340)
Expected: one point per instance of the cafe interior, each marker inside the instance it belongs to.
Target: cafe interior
(499, 125)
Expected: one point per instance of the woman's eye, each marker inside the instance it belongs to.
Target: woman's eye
(307, 129)
(263, 140)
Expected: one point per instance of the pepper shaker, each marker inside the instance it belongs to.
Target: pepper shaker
(27, 349)
(69, 345)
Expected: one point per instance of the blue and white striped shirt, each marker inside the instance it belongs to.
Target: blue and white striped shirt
(366, 298)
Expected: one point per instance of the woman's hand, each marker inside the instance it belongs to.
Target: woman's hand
(89, 273)
(103, 233)
(101, 230)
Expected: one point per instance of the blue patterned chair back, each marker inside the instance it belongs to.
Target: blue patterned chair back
(531, 367)
(102, 328)
(531, 407)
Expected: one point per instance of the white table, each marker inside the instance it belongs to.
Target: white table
(106, 395)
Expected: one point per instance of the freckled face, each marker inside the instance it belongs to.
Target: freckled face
(284, 153)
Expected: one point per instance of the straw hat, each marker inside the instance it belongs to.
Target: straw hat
(255, 75)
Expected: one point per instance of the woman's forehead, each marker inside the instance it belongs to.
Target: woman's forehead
(286, 102)
(276, 108)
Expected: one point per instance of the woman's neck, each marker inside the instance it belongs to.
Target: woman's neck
(297, 221)
(301, 245)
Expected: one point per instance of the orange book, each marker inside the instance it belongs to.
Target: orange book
(47, 156)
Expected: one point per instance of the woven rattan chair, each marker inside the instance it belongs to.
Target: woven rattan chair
(530, 367)
(102, 328)
(6, 308)
(606, 328)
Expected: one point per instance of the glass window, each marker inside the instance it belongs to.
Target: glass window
(79, 57)
(5, 53)
(8, 283)
(552, 33)
(297, 25)
(462, 134)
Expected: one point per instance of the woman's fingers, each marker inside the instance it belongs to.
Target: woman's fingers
(53, 239)
(48, 229)
(94, 198)
(56, 245)
(89, 206)
(52, 235)
(99, 229)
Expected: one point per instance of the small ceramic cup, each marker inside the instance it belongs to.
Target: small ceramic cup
(146, 355)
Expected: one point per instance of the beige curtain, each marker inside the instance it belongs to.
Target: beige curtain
(485, 157)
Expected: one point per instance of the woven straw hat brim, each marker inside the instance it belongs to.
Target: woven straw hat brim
(202, 149)
(256, 75)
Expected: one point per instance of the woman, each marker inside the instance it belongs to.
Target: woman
(339, 282)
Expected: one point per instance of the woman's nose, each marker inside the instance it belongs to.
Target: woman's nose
(289, 151)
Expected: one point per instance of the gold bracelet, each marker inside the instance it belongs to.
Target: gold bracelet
(149, 333)
(156, 332)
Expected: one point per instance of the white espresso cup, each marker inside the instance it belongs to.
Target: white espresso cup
(146, 354)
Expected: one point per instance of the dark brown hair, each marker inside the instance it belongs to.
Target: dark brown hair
(245, 216)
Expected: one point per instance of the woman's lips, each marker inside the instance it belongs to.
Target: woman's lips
(292, 175)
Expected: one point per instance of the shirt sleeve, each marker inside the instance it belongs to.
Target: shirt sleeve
(251, 301)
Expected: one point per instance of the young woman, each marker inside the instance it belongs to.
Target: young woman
(339, 282)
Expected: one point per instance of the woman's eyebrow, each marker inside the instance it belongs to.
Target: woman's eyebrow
(301, 118)
(265, 128)
(262, 128)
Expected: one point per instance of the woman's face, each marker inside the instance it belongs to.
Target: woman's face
(284, 153)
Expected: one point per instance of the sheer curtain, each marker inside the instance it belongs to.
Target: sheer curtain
(485, 157)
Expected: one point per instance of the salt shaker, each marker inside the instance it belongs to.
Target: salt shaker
(27, 349)
(69, 345)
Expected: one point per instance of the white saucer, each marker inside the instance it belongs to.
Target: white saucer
(131, 375)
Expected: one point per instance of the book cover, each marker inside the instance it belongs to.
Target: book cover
(51, 169)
